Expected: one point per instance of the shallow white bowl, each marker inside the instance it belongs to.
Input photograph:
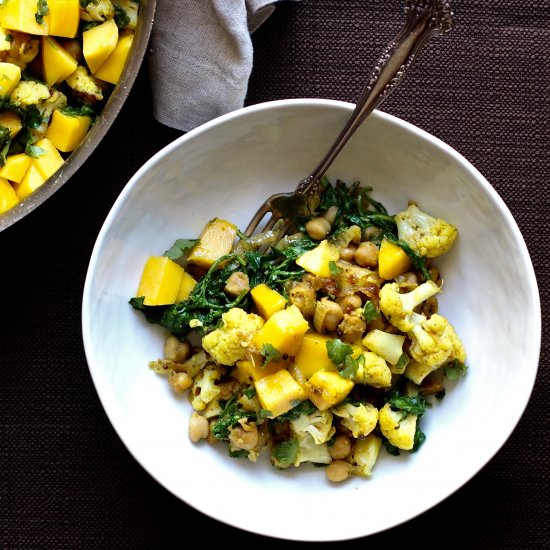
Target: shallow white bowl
(226, 168)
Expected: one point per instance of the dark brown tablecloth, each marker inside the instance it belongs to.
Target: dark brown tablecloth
(66, 480)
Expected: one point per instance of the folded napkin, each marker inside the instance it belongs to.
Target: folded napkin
(200, 57)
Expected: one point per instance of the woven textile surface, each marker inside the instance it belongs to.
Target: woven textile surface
(67, 481)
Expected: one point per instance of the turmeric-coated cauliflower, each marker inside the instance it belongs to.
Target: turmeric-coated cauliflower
(98, 10)
(361, 419)
(204, 388)
(428, 236)
(372, 370)
(84, 85)
(228, 344)
(364, 455)
(318, 424)
(29, 92)
(398, 427)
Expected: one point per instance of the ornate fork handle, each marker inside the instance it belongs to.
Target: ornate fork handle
(425, 19)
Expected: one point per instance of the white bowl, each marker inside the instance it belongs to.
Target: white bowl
(226, 168)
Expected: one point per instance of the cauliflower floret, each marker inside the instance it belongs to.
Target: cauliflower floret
(57, 100)
(361, 419)
(21, 50)
(398, 427)
(204, 388)
(318, 424)
(372, 370)
(84, 85)
(309, 451)
(364, 455)
(29, 92)
(131, 8)
(428, 236)
(399, 308)
(228, 344)
(98, 10)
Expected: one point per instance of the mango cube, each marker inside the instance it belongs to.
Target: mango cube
(313, 354)
(10, 75)
(187, 285)
(326, 388)
(98, 43)
(216, 240)
(160, 281)
(64, 17)
(267, 300)
(32, 180)
(279, 392)
(16, 167)
(318, 260)
(284, 330)
(112, 69)
(57, 63)
(49, 160)
(19, 15)
(392, 260)
(8, 196)
(66, 132)
(11, 121)
(249, 371)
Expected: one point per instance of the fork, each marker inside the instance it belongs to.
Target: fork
(424, 20)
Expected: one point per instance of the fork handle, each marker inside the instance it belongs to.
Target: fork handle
(424, 20)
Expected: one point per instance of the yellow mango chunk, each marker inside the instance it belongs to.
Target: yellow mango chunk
(112, 69)
(216, 240)
(49, 161)
(187, 285)
(250, 371)
(32, 180)
(19, 15)
(284, 330)
(57, 63)
(317, 261)
(279, 392)
(64, 17)
(98, 43)
(160, 281)
(16, 167)
(8, 196)
(392, 260)
(313, 354)
(11, 121)
(67, 131)
(267, 300)
(327, 387)
(10, 75)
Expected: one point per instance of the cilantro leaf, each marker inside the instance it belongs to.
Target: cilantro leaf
(5, 142)
(337, 351)
(419, 438)
(230, 414)
(350, 366)
(271, 353)
(121, 17)
(413, 404)
(454, 369)
(402, 362)
(370, 313)
(305, 407)
(286, 452)
(180, 248)
(34, 151)
(333, 268)
(42, 9)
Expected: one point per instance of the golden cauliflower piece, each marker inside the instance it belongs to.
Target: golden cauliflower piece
(84, 85)
(398, 427)
(428, 236)
(373, 370)
(98, 10)
(361, 419)
(228, 344)
(29, 92)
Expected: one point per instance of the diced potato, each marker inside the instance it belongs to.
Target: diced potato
(386, 345)
(19, 15)
(48, 162)
(32, 180)
(10, 75)
(16, 167)
(112, 69)
(313, 354)
(392, 260)
(11, 121)
(57, 63)
(8, 196)
(216, 240)
(317, 261)
(267, 300)
(64, 17)
(279, 392)
(66, 132)
(160, 281)
(284, 330)
(326, 388)
(98, 43)
(187, 285)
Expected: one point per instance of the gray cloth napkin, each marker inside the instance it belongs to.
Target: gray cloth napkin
(200, 57)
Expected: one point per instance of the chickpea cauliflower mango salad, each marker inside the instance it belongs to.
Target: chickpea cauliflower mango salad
(59, 60)
(320, 350)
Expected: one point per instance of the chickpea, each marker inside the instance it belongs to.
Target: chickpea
(369, 233)
(198, 427)
(237, 283)
(349, 302)
(367, 254)
(338, 470)
(341, 448)
(179, 381)
(227, 389)
(330, 214)
(347, 254)
(317, 228)
(327, 316)
(176, 350)
(407, 280)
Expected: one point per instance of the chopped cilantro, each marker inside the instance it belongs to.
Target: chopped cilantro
(271, 353)
(286, 452)
(334, 269)
(370, 313)
(42, 9)
(180, 248)
(34, 151)
(338, 351)
(454, 369)
(121, 17)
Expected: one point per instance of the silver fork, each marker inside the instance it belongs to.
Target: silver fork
(424, 20)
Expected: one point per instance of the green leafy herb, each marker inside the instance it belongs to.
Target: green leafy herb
(304, 407)
(8, 38)
(334, 269)
(264, 413)
(338, 351)
(153, 314)
(82, 110)
(180, 248)
(121, 17)
(286, 452)
(85, 3)
(391, 449)
(419, 438)
(230, 415)
(34, 151)
(370, 313)
(454, 369)
(351, 365)
(402, 362)
(250, 392)
(417, 260)
(239, 453)
(5, 142)
(271, 353)
(42, 9)
(413, 404)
